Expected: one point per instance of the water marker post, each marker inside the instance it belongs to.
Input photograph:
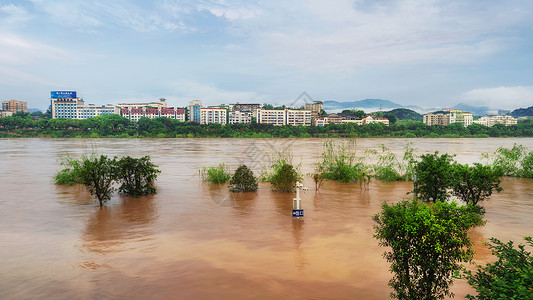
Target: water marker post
(297, 210)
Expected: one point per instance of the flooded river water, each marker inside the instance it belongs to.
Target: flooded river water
(198, 241)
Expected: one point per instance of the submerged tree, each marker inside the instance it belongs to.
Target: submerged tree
(243, 180)
(475, 183)
(434, 175)
(427, 244)
(98, 175)
(136, 175)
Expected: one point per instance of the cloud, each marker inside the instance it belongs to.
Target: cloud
(13, 15)
(187, 90)
(15, 50)
(504, 97)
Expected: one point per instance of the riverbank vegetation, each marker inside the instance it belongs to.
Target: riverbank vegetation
(115, 126)
(136, 176)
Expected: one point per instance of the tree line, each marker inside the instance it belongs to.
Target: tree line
(118, 126)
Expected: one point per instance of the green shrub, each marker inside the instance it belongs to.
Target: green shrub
(510, 277)
(526, 165)
(136, 175)
(243, 180)
(98, 174)
(434, 174)
(281, 174)
(474, 183)
(70, 174)
(218, 174)
(425, 245)
(339, 163)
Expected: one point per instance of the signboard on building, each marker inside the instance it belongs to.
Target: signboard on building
(63, 94)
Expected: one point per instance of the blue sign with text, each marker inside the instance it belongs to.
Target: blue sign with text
(298, 213)
(63, 94)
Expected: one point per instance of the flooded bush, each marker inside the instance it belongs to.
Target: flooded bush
(218, 174)
(136, 175)
(435, 175)
(243, 180)
(389, 168)
(281, 174)
(99, 174)
(473, 184)
(513, 162)
(70, 174)
(339, 162)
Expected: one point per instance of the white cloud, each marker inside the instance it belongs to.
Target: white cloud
(187, 90)
(12, 15)
(504, 97)
(15, 50)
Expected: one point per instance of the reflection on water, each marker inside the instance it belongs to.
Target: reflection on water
(198, 241)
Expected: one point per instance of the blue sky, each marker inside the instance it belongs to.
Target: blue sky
(424, 52)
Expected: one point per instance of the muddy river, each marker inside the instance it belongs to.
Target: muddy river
(197, 241)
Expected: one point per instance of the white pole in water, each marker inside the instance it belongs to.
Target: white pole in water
(297, 202)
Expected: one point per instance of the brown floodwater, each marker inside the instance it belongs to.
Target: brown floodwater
(197, 241)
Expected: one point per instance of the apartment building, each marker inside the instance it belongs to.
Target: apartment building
(15, 106)
(135, 113)
(210, 115)
(247, 107)
(436, 119)
(279, 117)
(327, 120)
(235, 117)
(193, 111)
(491, 120)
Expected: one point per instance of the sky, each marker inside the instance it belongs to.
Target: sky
(413, 52)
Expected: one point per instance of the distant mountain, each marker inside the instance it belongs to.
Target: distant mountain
(522, 112)
(387, 105)
(367, 105)
(475, 110)
(33, 109)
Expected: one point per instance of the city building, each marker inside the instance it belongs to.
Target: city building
(66, 104)
(279, 117)
(491, 120)
(157, 109)
(315, 108)
(436, 119)
(134, 114)
(210, 115)
(193, 111)
(327, 120)
(450, 116)
(5, 113)
(457, 116)
(15, 106)
(373, 119)
(248, 107)
(162, 103)
(235, 117)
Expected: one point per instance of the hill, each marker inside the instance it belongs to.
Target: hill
(475, 110)
(405, 114)
(522, 112)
